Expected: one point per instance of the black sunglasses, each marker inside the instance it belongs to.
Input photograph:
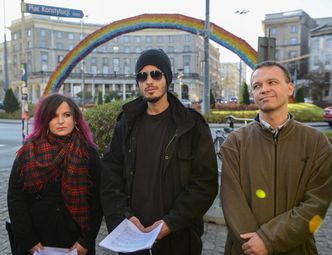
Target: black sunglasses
(142, 76)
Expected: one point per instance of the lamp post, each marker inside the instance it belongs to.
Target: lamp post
(179, 76)
(206, 90)
(83, 67)
(5, 51)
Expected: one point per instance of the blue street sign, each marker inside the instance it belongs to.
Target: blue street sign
(52, 11)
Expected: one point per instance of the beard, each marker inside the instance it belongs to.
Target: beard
(154, 99)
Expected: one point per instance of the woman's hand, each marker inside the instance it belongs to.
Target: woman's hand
(36, 248)
(80, 249)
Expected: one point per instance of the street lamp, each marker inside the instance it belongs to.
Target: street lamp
(83, 66)
(179, 76)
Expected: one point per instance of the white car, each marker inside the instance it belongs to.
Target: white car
(186, 102)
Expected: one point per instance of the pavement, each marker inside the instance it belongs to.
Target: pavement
(214, 230)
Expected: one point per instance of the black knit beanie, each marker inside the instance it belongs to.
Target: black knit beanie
(158, 58)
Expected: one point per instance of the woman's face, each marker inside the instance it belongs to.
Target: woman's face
(63, 122)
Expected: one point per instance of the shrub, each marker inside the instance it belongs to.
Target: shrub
(244, 94)
(299, 97)
(10, 103)
(102, 120)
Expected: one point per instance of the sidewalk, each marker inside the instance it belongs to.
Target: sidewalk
(213, 239)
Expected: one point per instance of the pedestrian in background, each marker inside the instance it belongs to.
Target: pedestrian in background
(53, 193)
(276, 182)
(160, 167)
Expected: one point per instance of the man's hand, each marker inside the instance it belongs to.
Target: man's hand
(254, 245)
(80, 249)
(137, 223)
(38, 247)
(164, 229)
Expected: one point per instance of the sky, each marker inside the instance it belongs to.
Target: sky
(222, 12)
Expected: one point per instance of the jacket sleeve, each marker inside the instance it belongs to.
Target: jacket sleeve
(18, 209)
(87, 238)
(238, 215)
(112, 188)
(198, 195)
(295, 226)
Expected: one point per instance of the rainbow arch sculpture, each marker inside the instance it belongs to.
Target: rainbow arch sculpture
(144, 21)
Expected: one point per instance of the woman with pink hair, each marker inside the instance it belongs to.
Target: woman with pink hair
(53, 193)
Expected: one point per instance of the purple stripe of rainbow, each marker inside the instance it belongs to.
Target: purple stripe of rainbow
(160, 21)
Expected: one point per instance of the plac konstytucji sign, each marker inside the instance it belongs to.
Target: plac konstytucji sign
(52, 11)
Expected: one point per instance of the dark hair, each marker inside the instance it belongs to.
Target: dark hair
(46, 110)
(271, 64)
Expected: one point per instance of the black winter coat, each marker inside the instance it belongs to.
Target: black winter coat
(189, 171)
(43, 216)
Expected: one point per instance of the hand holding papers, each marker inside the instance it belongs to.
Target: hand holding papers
(126, 237)
(55, 251)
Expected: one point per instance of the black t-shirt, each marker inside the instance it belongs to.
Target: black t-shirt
(146, 194)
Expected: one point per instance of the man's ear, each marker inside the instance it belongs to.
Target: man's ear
(291, 88)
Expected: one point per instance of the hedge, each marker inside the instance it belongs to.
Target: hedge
(102, 120)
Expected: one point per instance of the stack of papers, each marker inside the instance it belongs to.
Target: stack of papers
(126, 237)
(55, 251)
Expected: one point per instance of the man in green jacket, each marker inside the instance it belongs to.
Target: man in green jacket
(276, 182)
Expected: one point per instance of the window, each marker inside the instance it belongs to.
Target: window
(59, 45)
(15, 36)
(70, 36)
(315, 43)
(94, 69)
(292, 54)
(116, 48)
(105, 61)
(59, 35)
(293, 29)
(126, 39)
(148, 39)
(186, 63)
(127, 49)
(171, 38)
(186, 48)
(116, 65)
(293, 40)
(138, 50)
(316, 60)
(328, 59)
(29, 44)
(94, 61)
(170, 48)
(44, 61)
(106, 69)
(29, 32)
(126, 66)
(160, 39)
(273, 31)
(137, 39)
(70, 46)
(328, 43)
(43, 32)
(187, 38)
(43, 44)
(60, 58)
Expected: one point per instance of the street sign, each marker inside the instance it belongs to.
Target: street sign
(52, 11)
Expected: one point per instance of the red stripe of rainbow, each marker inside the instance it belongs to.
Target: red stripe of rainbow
(144, 21)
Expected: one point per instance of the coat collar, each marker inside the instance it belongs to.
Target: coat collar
(181, 116)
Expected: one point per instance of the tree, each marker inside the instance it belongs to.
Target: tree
(299, 97)
(244, 94)
(212, 100)
(10, 103)
(107, 99)
(99, 98)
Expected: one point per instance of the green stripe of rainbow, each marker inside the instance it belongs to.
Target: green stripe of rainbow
(144, 21)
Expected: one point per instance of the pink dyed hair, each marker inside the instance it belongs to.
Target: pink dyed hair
(45, 112)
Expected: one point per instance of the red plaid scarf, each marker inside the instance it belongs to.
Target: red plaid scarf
(67, 157)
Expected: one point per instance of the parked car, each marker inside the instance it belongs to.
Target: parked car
(186, 102)
(327, 116)
(232, 100)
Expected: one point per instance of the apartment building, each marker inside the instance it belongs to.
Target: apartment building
(110, 67)
(292, 32)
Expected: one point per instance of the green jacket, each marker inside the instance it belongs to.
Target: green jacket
(278, 187)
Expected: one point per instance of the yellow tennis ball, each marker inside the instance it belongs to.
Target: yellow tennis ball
(260, 193)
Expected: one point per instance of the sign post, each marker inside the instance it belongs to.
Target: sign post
(52, 11)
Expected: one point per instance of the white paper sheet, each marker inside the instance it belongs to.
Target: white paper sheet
(55, 251)
(126, 237)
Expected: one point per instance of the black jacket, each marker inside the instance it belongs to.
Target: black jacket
(43, 216)
(189, 171)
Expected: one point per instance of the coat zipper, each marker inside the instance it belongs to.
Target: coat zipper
(275, 138)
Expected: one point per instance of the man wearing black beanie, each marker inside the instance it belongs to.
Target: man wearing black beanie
(160, 166)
